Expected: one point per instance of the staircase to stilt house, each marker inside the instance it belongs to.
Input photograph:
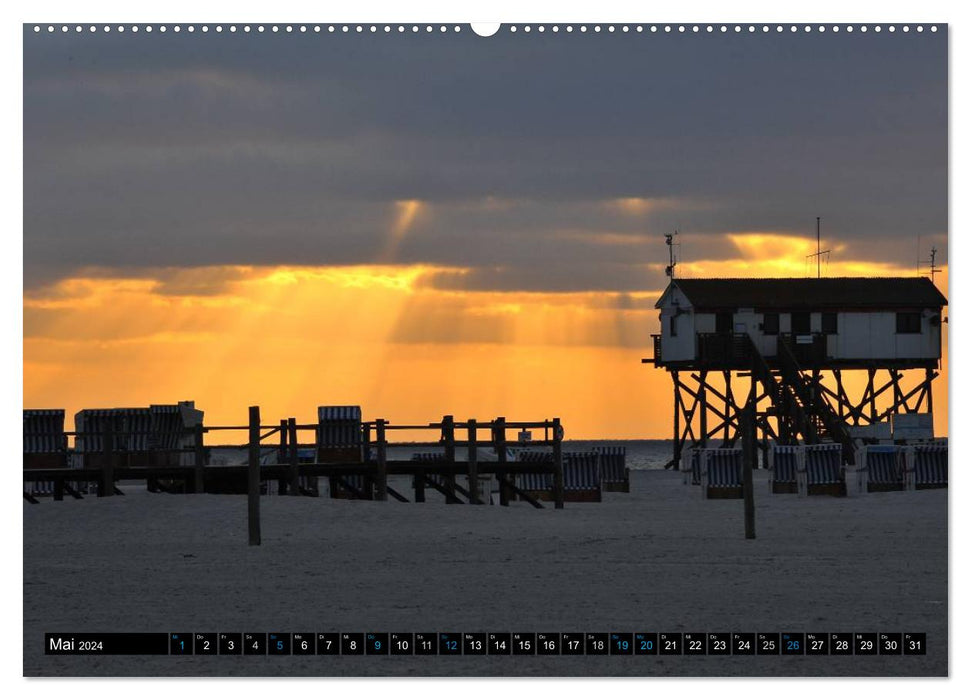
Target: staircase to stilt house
(793, 397)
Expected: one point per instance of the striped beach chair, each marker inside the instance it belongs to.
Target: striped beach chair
(340, 439)
(783, 460)
(539, 485)
(45, 446)
(721, 472)
(820, 471)
(168, 436)
(581, 476)
(927, 466)
(884, 466)
(613, 466)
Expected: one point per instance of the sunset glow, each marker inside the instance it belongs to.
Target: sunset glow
(386, 337)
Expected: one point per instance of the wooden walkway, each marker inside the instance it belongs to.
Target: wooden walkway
(109, 466)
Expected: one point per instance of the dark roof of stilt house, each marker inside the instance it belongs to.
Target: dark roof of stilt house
(786, 293)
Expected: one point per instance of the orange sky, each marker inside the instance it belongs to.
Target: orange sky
(385, 337)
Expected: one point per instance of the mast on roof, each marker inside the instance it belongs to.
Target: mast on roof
(669, 241)
(819, 253)
(933, 269)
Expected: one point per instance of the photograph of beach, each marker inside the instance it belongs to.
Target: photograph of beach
(552, 350)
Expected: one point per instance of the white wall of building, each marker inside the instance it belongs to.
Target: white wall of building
(860, 334)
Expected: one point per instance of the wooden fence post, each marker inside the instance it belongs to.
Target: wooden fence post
(294, 471)
(199, 477)
(107, 487)
(381, 487)
(254, 476)
(284, 455)
(749, 456)
(557, 464)
(448, 435)
(499, 442)
(368, 479)
(473, 464)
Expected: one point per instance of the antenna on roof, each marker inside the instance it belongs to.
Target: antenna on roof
(819, 253)
(672, 256)
(933, 269)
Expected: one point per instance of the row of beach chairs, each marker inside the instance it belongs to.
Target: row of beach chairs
(810, 470)
(586, 475)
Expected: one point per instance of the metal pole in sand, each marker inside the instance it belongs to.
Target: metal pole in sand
(254, 475)
(749, 456)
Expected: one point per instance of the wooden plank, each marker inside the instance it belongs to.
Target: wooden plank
(558, 485)
(450, 496)
(381, 484)
(397, 496)
(347, 486)
(284, 453)
(499, 442)
(522, 494)
(473, 464)
(749, 456)
(293, 473)
(448, 438)
(419, 482)
(253, 482)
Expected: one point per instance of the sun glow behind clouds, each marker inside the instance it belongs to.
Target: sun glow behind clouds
(406, 213)
(387, 337)
(291, 338)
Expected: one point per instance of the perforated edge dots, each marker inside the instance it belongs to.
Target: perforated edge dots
(455, 28)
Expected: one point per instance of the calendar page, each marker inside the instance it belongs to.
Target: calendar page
(532, 349)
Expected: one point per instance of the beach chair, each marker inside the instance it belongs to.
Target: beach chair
(782, 468)
(613, 467)
(926, 466)
(45, 446)
(537, 486)
(339, 438)
(581, 477)
(879, 468)
(721, 472)
(820, 470)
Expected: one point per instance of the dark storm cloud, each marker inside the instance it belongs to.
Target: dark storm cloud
(182, 150)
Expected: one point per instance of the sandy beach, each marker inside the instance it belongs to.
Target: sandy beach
(658, 559)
